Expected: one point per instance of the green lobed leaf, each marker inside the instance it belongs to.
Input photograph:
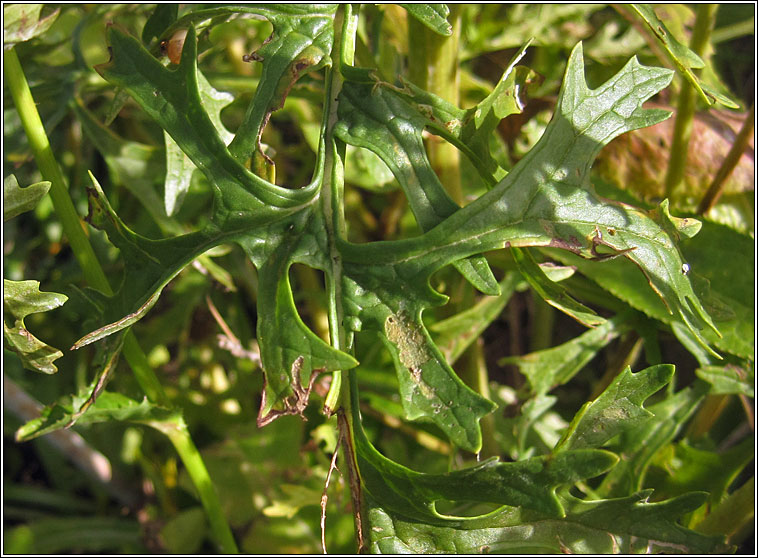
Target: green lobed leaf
(387, 284)
(716, 261)
(275, 225)
(641, 443)
(139, 167)
(557, 365)
(683, 58)
(618, 409)
(149, 265)
(643, 526)
(552, 204)
(728, 379)
(22, 22)
(551, 292)
(17, 200)
(109, 406)
(381, 120)
(530, 483)
(629, 525)
(21, 298)
(286, 343)
(544, 201)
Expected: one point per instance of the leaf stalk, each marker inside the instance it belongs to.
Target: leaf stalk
(685, 113)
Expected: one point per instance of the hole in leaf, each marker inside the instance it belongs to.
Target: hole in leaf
(285, 136)
(309, 294)
(237, 38)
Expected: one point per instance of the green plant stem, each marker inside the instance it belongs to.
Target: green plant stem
(733, 31)
(730, 162)
(48, 166)
(542, 325)
(433, 66)
(73, 227)
(685, 113)
(190, 456)
(340, 398)
(332, 197)
(93, 272)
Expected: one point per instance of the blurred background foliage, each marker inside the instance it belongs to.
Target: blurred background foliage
(270, 480)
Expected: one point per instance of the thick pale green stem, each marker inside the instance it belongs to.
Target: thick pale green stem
(332, 194)
(340, 398)
(433, 66)
(93, 272)
(706, 17)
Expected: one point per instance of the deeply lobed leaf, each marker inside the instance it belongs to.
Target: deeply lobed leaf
(21, 298)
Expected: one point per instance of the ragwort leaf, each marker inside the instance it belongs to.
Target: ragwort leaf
(544, 201)
(555, 366)
(275, 225)
(17, 200)
(617, 409)
(172, 98)
(109, 406)
(530, 483)
(381, 120)
(683, 58)
(718, 262)
(21, 298)
(628, 525)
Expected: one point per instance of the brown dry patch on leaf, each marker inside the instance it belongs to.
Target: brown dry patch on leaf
(296, 403)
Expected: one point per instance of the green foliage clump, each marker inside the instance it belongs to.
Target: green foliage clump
(309, 231)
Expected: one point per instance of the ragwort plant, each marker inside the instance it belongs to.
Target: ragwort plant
(512, 482)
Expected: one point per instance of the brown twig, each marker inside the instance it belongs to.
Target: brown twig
(353, 477)
(730, 162)
(324, 496)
